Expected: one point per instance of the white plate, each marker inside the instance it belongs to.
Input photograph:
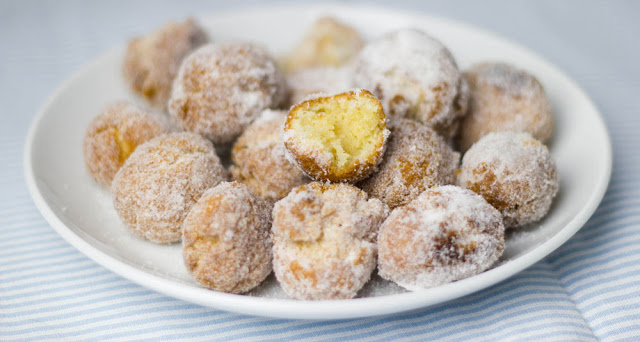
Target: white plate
(82, 213)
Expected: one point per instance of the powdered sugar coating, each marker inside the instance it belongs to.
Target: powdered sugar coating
(324, 239)
(157, 186)
(309, 81)
(221, 88)
(113, 135)
(226, 239)
(416, 159)
(151, 62)
(446, 234)
(514, 172)
(414, 76)
(259, 158)
(504, 98)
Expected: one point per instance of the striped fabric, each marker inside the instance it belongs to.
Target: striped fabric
(587, 290)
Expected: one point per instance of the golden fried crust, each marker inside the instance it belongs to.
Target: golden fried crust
(325, 240)
(226, 239)
(159, 183)
(221, 88)
(259, 159)
(503, 98)
(151, 63)
(328, 43)
(416, 77)
(514, 173)
(113, 135)
(446, 234)
(319, 161)
(416, 159)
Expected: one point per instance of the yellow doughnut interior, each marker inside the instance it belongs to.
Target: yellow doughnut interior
(125, 146)
(349, 125)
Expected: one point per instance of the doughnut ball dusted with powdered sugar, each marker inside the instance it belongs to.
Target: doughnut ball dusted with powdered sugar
(414, 76)
(324, 240)
(113, 135)
(504, 98)
(337, 138)
(514, 172)
(329, 42)
(162, 179)
(226, 238)
(221, 88)
(259, 158)
(446, 234)
(416, 159)
(151, 62)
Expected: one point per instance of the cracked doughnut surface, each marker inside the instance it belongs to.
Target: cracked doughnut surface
(324, 239)
(113, 135)
(226, 239)
(159, 183)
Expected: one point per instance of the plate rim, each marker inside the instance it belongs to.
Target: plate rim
(328, 309)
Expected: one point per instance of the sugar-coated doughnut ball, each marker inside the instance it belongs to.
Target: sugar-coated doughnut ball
(151, 62)
(226, 238)
(259, 158)
(321, 80)
(514, 172)
(324, 240)
(416, 159)
(162, 179)
(504, 98)
(414, 76)
(328, 42)
(446, 234)
(113, 135)
(337, 137)
(221, 88)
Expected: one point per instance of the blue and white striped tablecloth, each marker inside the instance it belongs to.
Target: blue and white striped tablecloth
(587, 290)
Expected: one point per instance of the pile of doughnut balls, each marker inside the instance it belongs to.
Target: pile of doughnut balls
(345, 156)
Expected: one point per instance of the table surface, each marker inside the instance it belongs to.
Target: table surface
(586, 290)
